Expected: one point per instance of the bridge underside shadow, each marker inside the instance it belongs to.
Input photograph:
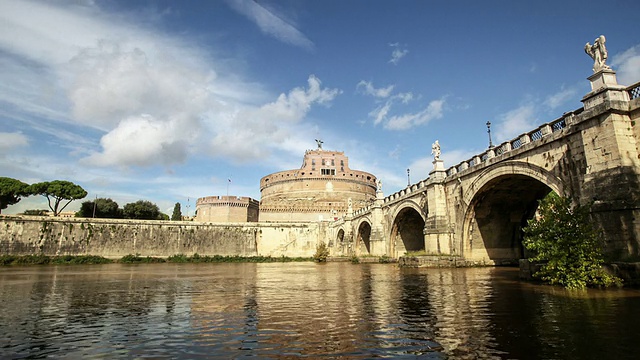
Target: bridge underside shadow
(500, 212)
(407, 233)
(363, 242)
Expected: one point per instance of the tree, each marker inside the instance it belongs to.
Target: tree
(56, 192)
(142, 210)
(565, 240)
(177, 214)
(11, 190)
(100, 208)
(35, 212)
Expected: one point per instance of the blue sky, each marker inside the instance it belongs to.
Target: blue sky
(167, 100)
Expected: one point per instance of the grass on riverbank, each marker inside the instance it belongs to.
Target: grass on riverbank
(52, 260)
(137, 259)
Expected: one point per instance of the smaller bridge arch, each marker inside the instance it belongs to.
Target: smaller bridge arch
(363, 237)
(407, 228)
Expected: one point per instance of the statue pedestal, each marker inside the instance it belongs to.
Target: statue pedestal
(604, 87)
(438, 172)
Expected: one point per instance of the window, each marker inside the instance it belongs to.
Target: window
(322, 162)
(332, 163)
(328, 171)
(341, 162)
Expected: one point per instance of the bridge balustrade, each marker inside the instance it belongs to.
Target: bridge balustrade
(634, 91)
(537, 134)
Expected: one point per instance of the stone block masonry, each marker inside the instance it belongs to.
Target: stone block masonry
(110, 238)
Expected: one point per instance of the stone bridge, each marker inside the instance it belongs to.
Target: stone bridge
(476, 209)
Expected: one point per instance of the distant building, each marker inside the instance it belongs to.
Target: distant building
(319, 190)
(226, 209)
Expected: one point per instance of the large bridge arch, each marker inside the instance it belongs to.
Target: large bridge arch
(498, 202)
(407, 228)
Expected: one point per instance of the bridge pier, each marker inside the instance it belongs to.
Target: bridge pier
(438, 238)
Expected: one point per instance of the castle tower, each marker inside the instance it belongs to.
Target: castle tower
(319, 190)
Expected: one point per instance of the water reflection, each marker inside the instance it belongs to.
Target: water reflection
(337, 310)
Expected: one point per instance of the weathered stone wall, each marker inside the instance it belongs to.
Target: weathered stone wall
(21, 235)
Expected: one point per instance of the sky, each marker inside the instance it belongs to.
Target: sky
(169, 101)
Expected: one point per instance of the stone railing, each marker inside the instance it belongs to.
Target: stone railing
(513, 144)
(634, 91)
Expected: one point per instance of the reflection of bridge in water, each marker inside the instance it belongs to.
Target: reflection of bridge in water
(476, 209)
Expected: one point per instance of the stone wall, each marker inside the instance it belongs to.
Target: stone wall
(22, 235)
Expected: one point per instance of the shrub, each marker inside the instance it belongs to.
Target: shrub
(564, 239)
(322, 253)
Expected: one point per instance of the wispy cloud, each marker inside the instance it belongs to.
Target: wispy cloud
(13, 140)
(385, 98)
(251, 132)
(627, 65)
(403, 122)
(561, 97)
(150, 98)
(515, 122)
(366, 87)
(271, 23)
(398, 53)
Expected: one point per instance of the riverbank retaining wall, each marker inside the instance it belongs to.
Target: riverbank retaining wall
(110, 238)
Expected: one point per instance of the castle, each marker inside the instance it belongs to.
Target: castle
(324, 188)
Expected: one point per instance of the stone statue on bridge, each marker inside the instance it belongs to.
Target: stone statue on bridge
(435, 150)
(598, 53)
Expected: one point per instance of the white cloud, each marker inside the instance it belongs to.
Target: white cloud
(398, 53)
(627, 65)
(271, 23)
(9, 141)
(514, 123)
(142, 141)
(380, 113)
(403, 122)
(366, 87)
(155, 98)
(553, 101)
(249, 133)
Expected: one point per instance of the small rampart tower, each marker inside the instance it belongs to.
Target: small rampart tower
(319, 190)
(227, 209)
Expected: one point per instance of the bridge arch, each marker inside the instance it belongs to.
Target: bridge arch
(363, 237)
(407, 228)
(340, 236)
(498, 204)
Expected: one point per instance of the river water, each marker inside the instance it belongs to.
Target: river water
(289, 310)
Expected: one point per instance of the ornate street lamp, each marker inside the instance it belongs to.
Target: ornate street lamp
(489, 131)
(408, 179)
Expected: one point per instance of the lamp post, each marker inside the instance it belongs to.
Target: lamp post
(489, 132)
(408, 179)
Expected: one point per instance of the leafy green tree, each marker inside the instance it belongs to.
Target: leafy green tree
(570, 247)
(177, 214)
(142, 210)
(11, 190)
(103, 208)
(57, 192)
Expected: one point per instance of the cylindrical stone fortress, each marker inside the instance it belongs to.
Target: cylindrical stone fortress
(319, 190)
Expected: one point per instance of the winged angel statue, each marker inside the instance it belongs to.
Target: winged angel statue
(598, 53)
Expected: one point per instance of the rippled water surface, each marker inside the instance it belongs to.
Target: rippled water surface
(335, 310)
